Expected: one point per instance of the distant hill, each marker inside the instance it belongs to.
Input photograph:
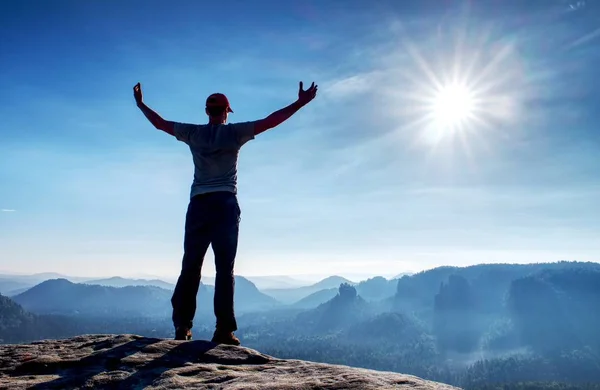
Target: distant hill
(12, 284)
(490, 282)
(377, 288)
(249, 298)
(343, 310)
(373, 289)
(315, 299)
(289, 296)
(261, 282)
(118, 281)
(276, 282)
(18, 291)
(7, 286)
(62, 297)
(505, 306)
(331, 282)
(40, 277)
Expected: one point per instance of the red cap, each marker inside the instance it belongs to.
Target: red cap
(218, 100)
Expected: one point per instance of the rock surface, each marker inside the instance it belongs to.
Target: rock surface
(134, 362)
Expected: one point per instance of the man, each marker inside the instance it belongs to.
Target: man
(213, 213)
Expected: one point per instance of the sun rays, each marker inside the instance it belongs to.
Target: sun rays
(461, 93)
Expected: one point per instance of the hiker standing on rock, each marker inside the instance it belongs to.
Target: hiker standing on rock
(213, 213)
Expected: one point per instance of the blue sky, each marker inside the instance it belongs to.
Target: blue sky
(363, 181)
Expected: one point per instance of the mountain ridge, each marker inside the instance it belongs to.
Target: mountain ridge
(293, 295)
(61, 296)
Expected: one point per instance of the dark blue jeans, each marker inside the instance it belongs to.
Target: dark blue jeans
(211, 218)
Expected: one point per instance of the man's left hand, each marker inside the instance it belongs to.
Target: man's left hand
(304, 97)
(137, 94)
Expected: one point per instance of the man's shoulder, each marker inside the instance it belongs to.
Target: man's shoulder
(243, 127)
(215, 126)
(188, 132)
(185, 126)
(244, 123)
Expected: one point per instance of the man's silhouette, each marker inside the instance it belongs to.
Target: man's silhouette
(213, 213)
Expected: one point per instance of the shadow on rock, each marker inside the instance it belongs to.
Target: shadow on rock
(76, 372)
(120, 371)
(178, 356)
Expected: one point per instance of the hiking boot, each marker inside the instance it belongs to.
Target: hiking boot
(228, 338)
(183, 334)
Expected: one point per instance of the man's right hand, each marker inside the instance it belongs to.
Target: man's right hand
(137, 94)
(304, 97)
(278, 117)
(156, 120)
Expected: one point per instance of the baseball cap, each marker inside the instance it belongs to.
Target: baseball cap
(218, 100)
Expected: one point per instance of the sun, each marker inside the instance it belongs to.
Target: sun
(453, 104)
(468, 89)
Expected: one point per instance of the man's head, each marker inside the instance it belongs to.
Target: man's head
(217, 108)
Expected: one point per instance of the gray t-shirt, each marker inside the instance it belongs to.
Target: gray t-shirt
(215, 150)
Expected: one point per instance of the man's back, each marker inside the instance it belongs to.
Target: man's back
(215, 150)
(213, 219)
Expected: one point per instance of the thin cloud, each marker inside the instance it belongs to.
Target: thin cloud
(353, 85)
(585, 39)
(8, 210)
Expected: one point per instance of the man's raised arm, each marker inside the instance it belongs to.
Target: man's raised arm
(278, 117)
(153, 117)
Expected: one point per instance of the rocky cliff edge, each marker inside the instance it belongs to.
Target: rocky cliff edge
(135, 362)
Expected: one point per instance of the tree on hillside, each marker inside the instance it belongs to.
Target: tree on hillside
(347, 292)
(455, 319)
(539, 316)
